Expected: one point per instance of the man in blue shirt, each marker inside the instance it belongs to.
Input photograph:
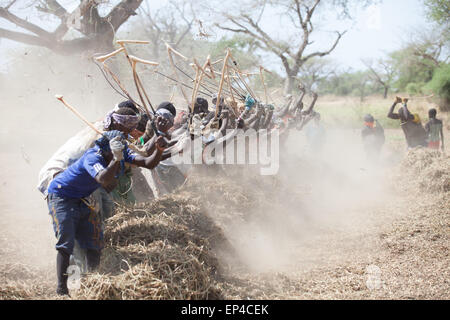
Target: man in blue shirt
(71, 213)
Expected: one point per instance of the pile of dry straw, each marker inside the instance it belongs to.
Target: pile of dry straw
(167, 249)
(426, 171)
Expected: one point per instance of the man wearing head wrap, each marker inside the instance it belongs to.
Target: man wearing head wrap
(74, 148)
(74, 219)
(414, 132)
(123, 119)
(373, 137)
(165, 116)
(124, 193)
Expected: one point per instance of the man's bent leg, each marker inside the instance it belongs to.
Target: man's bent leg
(90, 236)
(62, 263)
(65, 216)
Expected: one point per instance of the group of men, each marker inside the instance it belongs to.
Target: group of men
(431, 135)
(91, 172)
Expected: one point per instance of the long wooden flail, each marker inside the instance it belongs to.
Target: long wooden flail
(229, 86)
(200, 72)
(132, 61)
(224, 69)
(261, 69)
(194, 89)
(137, 81)
(239, 73)
(79, 115)
(170, 50)
(102, 60)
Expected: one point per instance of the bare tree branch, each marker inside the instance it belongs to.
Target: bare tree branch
(24, 38)
(291, 54)
(98, 31)
(54, 8)
(10, 4)
(5, 14)
(121, 12)
(324, 53)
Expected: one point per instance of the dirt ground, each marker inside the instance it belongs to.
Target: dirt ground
(353, 232)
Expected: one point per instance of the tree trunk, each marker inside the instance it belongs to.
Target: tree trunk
(289, 82)
(386, 89)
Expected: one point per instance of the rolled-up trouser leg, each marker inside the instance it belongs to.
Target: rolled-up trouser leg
(62, 263)
(90, 236)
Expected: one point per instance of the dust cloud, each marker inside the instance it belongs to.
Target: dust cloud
(34, 126)
(319, 210)
(312, 197)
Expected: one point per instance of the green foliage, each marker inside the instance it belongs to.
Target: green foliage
(414, 88)
(440, 85)
(438, 10)
(242, 48)
(410, 68)
(348, 84)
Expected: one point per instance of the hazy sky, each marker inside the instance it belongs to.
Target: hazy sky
(389, 26)
(375, 31)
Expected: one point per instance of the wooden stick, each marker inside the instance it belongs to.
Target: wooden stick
(198, 81)
(264, 85)
(169, 52)
(224, 68)
(79, 115)
(102, 59)
(137, 81)
(176, 52)
(172, 95)
(202, 68)
(239, 72)
(210, 67)
(229, 86)
(216, 62)
(197, 76)
(140, 87)
(139, 60)
(121, 42)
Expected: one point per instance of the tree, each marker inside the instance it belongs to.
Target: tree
(316, 70)
(438, 11)
(171, 23)
(410, 68)
(242, 47)
(348, 83)
(96, 31)
(299, 17)
(440, 86)
(382, 73)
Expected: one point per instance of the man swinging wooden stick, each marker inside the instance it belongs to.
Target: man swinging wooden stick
(68, 203)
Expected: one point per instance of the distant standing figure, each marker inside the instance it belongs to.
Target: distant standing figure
(373, 137)
(412, 127)
(434, 130)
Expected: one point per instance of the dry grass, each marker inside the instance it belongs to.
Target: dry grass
(172, 248)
